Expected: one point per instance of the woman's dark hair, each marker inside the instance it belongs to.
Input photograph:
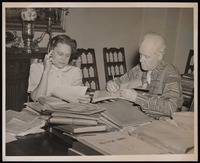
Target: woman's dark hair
(64, 39)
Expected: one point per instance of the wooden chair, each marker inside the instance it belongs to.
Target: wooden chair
(86, 61)
(114, 62)
(189, 68)
(187, 80)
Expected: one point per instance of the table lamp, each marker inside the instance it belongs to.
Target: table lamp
(28, 16)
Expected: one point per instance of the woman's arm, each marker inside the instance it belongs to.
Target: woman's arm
(41, 88)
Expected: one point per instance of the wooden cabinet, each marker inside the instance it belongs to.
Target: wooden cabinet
(17, 73)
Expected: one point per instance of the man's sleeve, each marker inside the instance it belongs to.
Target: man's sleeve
(170, 100)
(134, 73)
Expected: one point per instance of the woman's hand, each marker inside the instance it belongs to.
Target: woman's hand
(48, 61)
(112, 87)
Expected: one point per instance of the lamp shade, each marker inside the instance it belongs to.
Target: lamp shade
(28, 14)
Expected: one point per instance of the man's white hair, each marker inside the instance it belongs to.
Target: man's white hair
(154, 43)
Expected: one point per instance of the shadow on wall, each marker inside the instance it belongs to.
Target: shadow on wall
(136, 58)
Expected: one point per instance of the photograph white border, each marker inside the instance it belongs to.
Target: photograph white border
(171, 157)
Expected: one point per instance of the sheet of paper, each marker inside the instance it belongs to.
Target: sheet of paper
(10, 114)
(10, 137)
(17, 126)
(69, 93)
(104, 95)
(169, 137)
(35, 106)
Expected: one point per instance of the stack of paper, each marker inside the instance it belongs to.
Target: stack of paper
(167, 136)
(23, 123)
(54, 104)
(63, 112)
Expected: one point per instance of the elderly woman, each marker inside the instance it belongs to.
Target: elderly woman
(162, 80)
(55, 69)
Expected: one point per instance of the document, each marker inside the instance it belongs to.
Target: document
(69, 93)
(167, 136)
(102, 95)
(10, 137)
(116, 143)
(19, 127)
(24, 123)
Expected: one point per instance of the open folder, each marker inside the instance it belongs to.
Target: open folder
(69, 93)
(122, 113)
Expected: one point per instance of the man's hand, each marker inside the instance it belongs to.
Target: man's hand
(112, 86)
(128, 94)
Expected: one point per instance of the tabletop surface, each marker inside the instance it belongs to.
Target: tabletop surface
(41, 144)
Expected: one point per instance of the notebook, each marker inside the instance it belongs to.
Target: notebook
(82, 129)
(122, 113)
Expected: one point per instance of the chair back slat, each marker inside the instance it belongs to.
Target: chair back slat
(114, 62)
(86, 61)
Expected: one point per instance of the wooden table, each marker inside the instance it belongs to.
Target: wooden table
(42, 144)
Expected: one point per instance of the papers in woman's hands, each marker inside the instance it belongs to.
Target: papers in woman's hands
(54, 104)
(70, 93)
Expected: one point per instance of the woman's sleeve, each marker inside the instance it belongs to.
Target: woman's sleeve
(77, 77)
(35, 74)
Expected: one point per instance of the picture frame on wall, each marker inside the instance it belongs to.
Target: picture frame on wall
(57, 16)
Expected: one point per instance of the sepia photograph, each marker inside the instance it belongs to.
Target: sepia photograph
(96, 81)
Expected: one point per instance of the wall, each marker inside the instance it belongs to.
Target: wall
(184, 39)
(124, 27)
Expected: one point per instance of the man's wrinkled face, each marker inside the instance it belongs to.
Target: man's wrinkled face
(149, 59)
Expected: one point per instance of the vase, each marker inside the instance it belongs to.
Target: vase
(28, 34)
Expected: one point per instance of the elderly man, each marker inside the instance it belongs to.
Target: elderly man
(160, 80)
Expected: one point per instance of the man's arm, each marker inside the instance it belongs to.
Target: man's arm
(130, 79)
(170, 100)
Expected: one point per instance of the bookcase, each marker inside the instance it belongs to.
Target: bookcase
(17, 67)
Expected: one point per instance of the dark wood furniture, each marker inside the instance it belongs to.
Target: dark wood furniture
(17, 73)
(52, 142)
(189, 68)
(86, 61)
(114, 62)
(41, 144)
(187, 80)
